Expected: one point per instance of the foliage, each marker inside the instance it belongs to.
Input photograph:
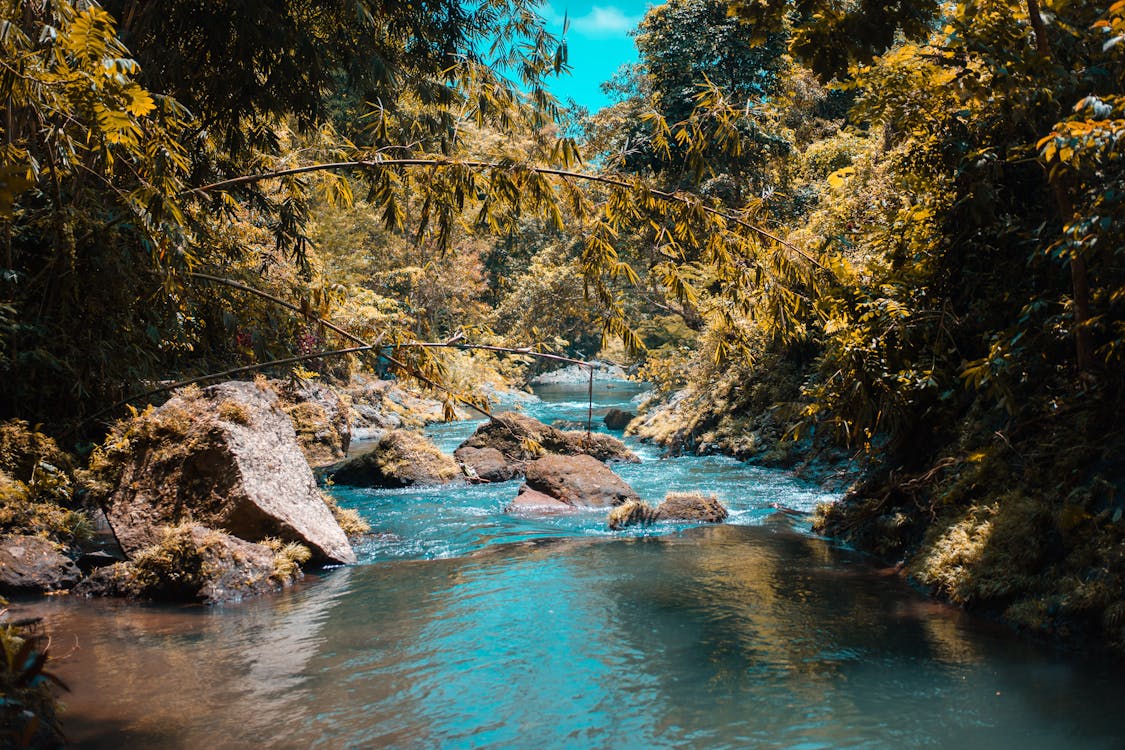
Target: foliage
(349, 519)
(43, 504)
(28, 711)
(288, 559)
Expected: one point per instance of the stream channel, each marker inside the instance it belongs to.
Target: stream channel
(463, 627)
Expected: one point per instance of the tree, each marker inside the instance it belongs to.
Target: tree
(101, 221)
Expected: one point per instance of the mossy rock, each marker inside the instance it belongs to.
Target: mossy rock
(225, 457)
(401, 458)
(691, 506)
(320, 418)
(520, 439)
(192, 563)
(630, 513)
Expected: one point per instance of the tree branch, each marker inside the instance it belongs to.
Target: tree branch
(664, 195)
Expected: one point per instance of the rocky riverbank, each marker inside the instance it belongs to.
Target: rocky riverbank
(1026, 527)
(211, 497)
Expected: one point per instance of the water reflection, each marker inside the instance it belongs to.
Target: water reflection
(716, 637)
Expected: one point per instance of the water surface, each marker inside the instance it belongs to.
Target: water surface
(466, 627)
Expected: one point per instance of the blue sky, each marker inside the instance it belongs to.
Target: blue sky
(598, 43)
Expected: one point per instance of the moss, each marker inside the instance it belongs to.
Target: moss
(232, 411)
(174, 568)
(288, 557)
(951, 554)
(630, 513)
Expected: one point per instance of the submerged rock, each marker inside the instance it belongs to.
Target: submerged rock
(32, 564)
(581, 481)
(320, 418)
(532, 502)
(618, 419)
(691, 506)
(401, 458)
(225, 457)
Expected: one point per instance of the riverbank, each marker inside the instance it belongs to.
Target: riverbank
(1022, 523)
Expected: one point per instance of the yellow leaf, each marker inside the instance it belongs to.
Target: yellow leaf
(838, 178)
(140, 103)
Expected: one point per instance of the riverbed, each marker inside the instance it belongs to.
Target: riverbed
(466, 627)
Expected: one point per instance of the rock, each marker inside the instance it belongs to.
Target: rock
(568, 424)
(367, 417)
(691, 506)
(32, 564)
(320, 418)
(630, 513)
(384, 405)
(487, 464)
(602, 447)
(401, 458)
(618, 419)
(580, 374)
(581, 481)
(111, 580)
(225, 457)
(533, 503)
(520, 438)
(193, 563)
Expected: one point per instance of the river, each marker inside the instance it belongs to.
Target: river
(465, 627)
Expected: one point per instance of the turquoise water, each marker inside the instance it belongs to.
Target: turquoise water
(463, 627)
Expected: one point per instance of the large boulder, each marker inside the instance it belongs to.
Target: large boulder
(520, 438)
(225, 457)
(401, 458)
(618, 419)
(533, 503)
(320, 418)
(581, 481)
(485, 464)
(691, 506)
(31, 564)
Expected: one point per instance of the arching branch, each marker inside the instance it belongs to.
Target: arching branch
(368, 164)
